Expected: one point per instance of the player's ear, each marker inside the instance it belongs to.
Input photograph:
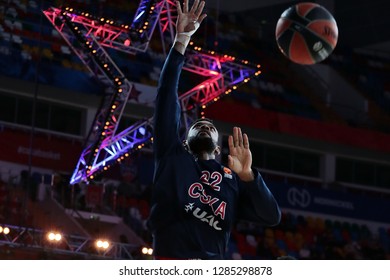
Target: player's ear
(217, 150)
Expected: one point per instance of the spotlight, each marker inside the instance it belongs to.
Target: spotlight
(4, 230)
(54, 236)
(102, 244)
(57, 237)
(147, 251)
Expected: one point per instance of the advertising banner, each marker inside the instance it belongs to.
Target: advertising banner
(47, 151)
(327, 202)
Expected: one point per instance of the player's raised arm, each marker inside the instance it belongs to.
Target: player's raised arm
(167, 110)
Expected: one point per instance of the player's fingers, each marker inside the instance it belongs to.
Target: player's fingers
(246, 141)
(230, 143)
(194, 6)
(240, 139)
(235, 137)
(199, 10)
(178, 7)
(201, 18)
(185, 6)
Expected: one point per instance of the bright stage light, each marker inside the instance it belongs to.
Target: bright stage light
(102, 244)
(54, 236)
(6, 230)
(147, 251)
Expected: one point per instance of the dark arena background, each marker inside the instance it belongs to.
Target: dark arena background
(77, 85)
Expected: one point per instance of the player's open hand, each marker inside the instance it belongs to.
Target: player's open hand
(188, 20)
(240, 156)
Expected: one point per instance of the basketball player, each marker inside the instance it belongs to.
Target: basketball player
(196, 200)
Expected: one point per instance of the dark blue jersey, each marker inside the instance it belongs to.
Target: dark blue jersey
(196, 202)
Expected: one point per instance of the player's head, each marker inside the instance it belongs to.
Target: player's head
(202, 137)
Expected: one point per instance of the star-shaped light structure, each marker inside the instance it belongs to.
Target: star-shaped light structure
(89, 36)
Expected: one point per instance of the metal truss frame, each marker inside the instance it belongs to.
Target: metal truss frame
(30, 238)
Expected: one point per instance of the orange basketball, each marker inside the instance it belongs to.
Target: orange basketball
(306, 33)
